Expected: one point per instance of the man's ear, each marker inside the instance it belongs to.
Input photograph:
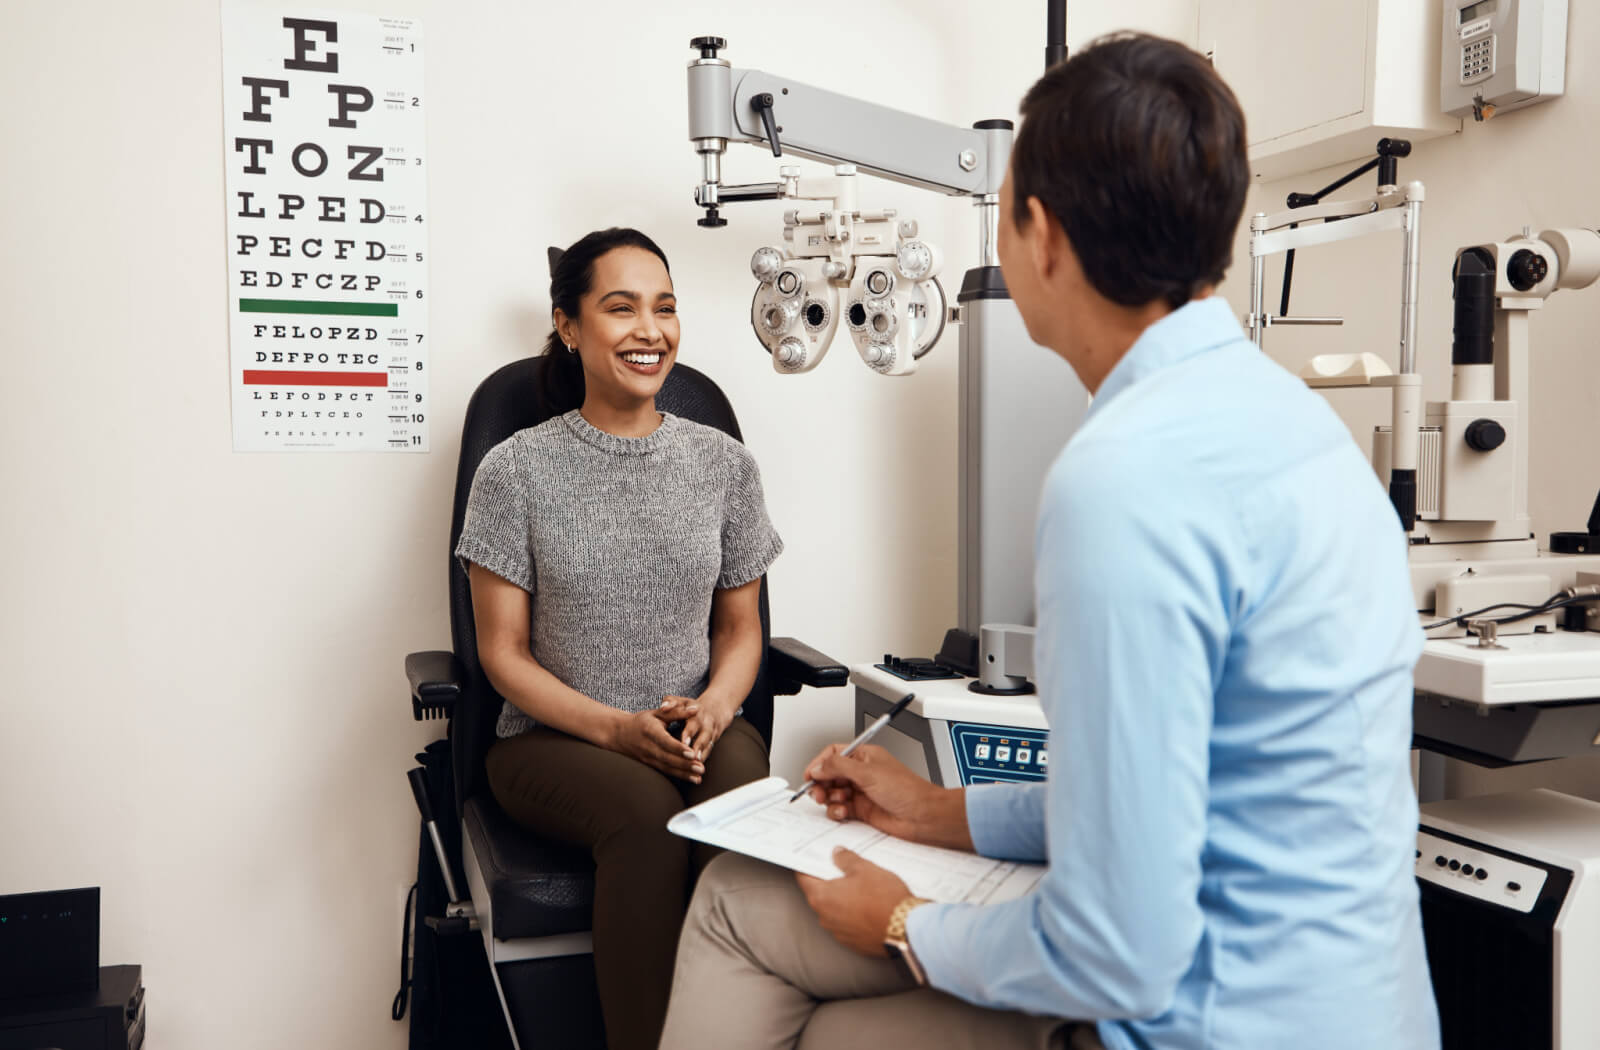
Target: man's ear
(1043, 239)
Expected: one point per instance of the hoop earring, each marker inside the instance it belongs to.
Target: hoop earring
(571, 349)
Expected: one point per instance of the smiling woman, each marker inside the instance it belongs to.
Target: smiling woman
(625, 279)
(615, 555)
(625, 335)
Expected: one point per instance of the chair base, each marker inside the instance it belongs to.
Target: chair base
(553, 1002)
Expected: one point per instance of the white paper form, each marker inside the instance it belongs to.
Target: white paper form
(758, 820)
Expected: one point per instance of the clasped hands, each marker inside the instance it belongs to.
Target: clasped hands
(644, 734)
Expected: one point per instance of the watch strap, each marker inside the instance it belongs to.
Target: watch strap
(897, 944)
(897, 918)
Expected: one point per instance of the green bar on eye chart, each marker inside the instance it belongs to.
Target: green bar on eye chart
(307, 306)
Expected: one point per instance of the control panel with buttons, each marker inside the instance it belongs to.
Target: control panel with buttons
(988, 754)
(1489, 877)
(1477, 57)
(915, 668)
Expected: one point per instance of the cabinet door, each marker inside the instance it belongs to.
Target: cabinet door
(1294, 64)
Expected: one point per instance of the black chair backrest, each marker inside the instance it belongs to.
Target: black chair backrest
(503, 404)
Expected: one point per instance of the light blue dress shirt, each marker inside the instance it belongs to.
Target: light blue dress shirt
(1226, 634)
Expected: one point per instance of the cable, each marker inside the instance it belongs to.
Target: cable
(397, 1009)
(1549, 608)
(1559, 600)
(1486, 608)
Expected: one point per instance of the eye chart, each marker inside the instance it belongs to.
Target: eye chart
(327, 233)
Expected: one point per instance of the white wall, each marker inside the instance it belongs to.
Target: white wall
(1087, 19)
(204, 710)
(1534, 167)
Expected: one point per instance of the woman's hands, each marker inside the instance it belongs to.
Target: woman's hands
(705, 727)
(643, 735)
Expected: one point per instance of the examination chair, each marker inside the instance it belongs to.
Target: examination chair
(532, 897)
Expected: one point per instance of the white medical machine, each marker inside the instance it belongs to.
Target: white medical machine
(841, 267)
(955, 735)
(1511, 912)
(1498, 682)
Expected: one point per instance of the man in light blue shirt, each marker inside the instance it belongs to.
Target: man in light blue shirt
(1224, 653)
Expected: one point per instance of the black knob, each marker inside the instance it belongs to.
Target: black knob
(1466, 869)
(1439, 861)
(762, 104)
(1455, 865)
(1526, 269)
(1482, 874)
(1485, 435)
(713, 219)
(708, 46)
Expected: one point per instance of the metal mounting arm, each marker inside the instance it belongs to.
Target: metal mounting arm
(747, 105)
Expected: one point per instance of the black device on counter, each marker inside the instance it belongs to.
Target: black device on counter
(49, 942)
(107, 1017)
(958, 657)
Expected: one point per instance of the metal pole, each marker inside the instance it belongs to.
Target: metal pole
(1055, 32)
(988, 229)
(1408, 291)
(1258, 277)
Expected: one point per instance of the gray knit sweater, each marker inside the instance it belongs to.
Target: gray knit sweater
(619, 542)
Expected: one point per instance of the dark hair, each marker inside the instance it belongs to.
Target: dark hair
(558, 372)
(1138, 149)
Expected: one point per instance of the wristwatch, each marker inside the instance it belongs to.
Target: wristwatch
(895, 942)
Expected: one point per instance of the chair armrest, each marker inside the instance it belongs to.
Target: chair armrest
(792, 663)
(436, 683)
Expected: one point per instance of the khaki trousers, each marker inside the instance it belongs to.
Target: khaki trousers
(757, 971)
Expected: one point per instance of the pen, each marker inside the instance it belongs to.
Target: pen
(866, 734)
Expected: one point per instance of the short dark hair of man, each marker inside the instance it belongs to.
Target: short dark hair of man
(1138, 149)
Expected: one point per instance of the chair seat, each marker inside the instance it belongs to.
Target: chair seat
(537, 887)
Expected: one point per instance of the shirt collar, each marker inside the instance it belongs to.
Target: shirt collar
(1190, 330)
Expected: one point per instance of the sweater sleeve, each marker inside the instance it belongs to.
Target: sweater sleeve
(496, 530)
(749, 542)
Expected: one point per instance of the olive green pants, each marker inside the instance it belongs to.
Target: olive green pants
(557, 785)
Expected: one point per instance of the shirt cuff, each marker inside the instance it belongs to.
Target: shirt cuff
(932, 949)
(1006, 821)
(508, 567)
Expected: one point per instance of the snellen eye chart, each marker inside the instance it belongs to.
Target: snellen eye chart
(327, 230)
